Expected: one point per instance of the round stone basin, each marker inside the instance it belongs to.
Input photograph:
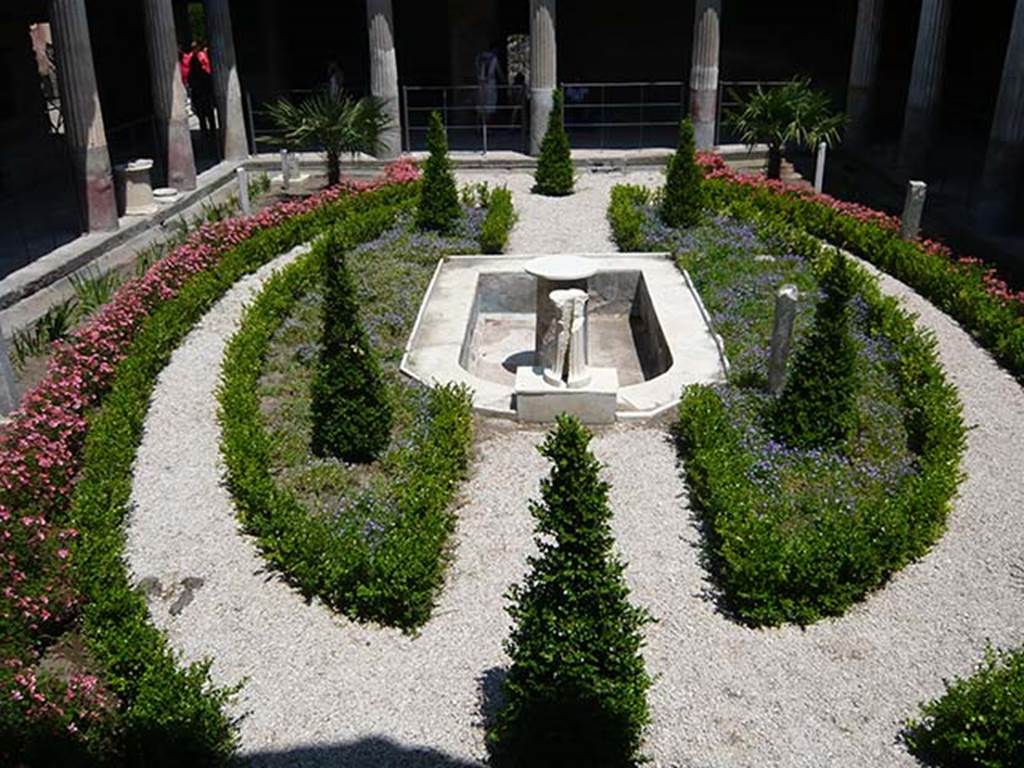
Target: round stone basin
(558, 269)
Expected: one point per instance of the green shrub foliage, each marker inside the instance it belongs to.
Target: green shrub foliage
(350, 408)
(498, 222)
(439, 208)
(683, 199)
(576, 692)
(818, 406)
(979, 721)
(626, 216)
(554, 174)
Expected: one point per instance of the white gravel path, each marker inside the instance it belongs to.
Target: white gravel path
(324, 691)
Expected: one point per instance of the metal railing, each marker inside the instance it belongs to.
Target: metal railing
(630, 114)
(476, 118)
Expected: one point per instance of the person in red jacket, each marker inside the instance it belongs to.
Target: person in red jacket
(197, 73)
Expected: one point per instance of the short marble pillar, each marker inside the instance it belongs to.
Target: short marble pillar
(83, 118)
(925, 83)
(543, 68)
(1001, 181)
(782, 336)
(568, 365)
(169, 95)
(226, 86)
(138, 187)
(913, 209)
(704, 71)
(555, 273)
(243, 192)
(384, 72)
(819, 167)
(860, 94)
(8, 383)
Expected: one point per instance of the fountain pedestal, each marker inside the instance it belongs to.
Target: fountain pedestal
(560, 381)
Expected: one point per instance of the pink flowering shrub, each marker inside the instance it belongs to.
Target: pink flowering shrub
(715, 167)
(40, 457)
(404, 169)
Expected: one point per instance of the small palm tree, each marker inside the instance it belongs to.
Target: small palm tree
(793, 113)
(336, 122)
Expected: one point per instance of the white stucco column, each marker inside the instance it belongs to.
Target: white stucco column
(543, 68)
(169, 95)
(925, 82)
(227, 88)
(1001, 182)
(83, 118)
(707, 21)
(863, 70)
(384, 71)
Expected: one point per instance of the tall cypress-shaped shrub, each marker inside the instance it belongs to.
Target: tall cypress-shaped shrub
(818, 407)
(576, 692)
(684, 185)
(439, 207)
(350, 408)
(554, 166)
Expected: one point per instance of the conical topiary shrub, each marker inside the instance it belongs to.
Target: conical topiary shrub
(439, 207)
(683, 198)
(554, 166)
(818, 407)
(576, 692)
(350, 408)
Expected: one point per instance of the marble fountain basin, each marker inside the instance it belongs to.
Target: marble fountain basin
(645, 321)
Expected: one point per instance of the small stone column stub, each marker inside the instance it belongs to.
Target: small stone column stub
(863, 71)
(819, 168)
(913, 208)
(169, 95)
(543, 68)
(704, 71)
(1001, 180)
(226, 86)
(83, 117)
(286, 171)
(782, 336)
(8, 383)
(925, 83)
(384, 72)
(243, 192)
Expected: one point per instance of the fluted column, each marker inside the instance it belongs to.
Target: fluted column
(384, 71)
(863, 70)
(226, 86)
(925, 82)
(83, 118)
(1001, 184)
(707, 20)
(543, 68)
(169, 95)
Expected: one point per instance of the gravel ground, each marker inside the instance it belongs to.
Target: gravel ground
(324, 691)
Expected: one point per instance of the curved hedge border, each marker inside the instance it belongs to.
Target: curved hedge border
(167, 715)
(389, 572)
(963, 288)
(770, 575)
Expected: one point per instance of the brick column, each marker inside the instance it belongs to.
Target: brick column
(1004, 162)
(707, 19)
(169, 95)
(863, 70)
(226, 86)
(83, 118)
(543, 68)
(925, 83)
(384, 71)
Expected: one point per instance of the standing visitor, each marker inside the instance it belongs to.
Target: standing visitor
(199, 78)
(335, 79)
(488, 71)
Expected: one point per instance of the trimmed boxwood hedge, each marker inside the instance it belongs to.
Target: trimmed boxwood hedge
(170, 715)
(390, 573)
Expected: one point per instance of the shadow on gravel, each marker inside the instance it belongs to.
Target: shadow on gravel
(374, 752)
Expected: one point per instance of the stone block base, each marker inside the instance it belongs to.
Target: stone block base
(536, 400)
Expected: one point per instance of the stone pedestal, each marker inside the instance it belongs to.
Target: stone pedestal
(83, 118)
(169, 95)
(9, 396)
(863, 70)
(913, 209)
(138, 187)
(704, 71)
(595, 403)
(925, 83)
(543, 68)
(226, 86)
(384, 72)
(555, 273)
(782, 336)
